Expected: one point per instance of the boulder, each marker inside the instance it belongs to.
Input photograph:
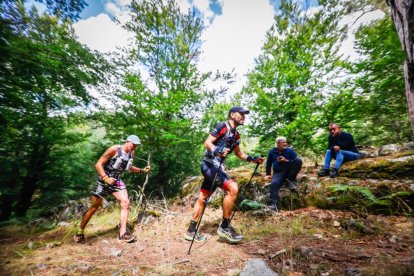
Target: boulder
(408, 146)
(388, 149)
(257, 267)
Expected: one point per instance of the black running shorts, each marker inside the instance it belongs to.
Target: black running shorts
(102, 189)
(209, 171)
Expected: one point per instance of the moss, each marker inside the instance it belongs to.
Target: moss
(404, 153)
(379, 168)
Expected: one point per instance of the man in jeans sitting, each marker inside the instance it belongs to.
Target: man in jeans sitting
(341, 147)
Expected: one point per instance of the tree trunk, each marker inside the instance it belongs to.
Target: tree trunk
(11, 182)
(6, 201)
(402, 13)
(35, 169)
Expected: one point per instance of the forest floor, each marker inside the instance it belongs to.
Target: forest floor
(307, 241)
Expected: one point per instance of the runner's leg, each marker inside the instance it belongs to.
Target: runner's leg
(232, 190)
(96, 203)
(122, 197)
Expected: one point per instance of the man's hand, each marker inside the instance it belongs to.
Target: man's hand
(258, 160)
(267, 177)
(282, 159)
(146, 170)
(220, 151)
(337, 148)
(110, 180)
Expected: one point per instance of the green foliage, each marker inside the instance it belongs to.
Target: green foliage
(379, 87)
(165, 110)
(293, 75)
(363, 199)
(68, 9)
(43, 71)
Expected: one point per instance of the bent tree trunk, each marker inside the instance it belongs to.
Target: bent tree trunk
(402, 13)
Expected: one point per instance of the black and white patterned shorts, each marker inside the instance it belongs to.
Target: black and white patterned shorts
(102, 189)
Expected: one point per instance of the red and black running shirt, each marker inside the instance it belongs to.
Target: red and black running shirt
(226, 136)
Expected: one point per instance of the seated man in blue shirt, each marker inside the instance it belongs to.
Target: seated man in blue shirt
(341, 147)
(286, 166)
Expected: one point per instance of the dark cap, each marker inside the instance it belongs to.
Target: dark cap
(238, 109)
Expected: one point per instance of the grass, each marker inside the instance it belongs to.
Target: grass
(284, 228)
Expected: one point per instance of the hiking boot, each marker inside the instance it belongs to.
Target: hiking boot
(126, 237)
(291, 185)
(334, 173)
(198, 237)
(79, 238)
(323, 172)
(229, 234)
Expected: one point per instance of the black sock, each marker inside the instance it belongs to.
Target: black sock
(225, 223)
(192, 227)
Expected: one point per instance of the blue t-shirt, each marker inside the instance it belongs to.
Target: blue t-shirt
(288, 153)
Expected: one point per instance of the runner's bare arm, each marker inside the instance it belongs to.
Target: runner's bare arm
(239, 153)
(108, 154)
(208, 144)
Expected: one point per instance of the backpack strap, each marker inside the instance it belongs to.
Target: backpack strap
(119, 151)
(228, 130)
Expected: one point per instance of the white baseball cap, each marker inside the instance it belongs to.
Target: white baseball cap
(134, 139)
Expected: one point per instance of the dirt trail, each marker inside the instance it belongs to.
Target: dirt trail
(305, 241)
(160, 249)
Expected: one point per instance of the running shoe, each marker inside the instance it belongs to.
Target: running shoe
(198, 237)
(229, 234)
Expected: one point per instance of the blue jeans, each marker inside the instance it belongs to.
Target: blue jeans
(279, 176)
(341, 157)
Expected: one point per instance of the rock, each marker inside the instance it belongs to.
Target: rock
(53, 244)
(388, 149)
(116, 253)
(353, 182)
(393, 239)
(64, 224)
(352, 271)
(364, 154)
(305, 251)
(318, 236)
(336, 223)
(408, 146)
(261, 252)
(402, 159)
(359, 226)
(257, 267)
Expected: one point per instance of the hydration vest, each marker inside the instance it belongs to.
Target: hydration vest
(118, 164)
(226, 137)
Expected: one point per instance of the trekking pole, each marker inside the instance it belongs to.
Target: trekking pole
(205, 205)
(255, 169)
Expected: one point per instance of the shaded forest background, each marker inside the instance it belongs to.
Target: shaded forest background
(63, 104)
